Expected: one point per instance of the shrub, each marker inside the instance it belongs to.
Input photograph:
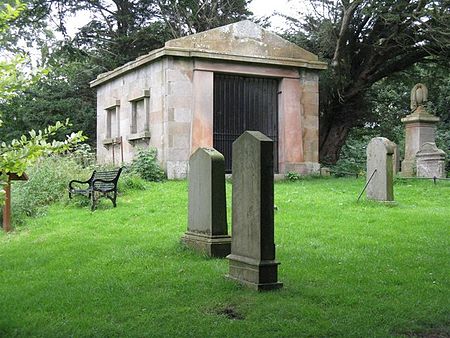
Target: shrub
(293, 176)
(83, 155)
(48, 182)
(353, 154)
(130, 181)
(145, 164)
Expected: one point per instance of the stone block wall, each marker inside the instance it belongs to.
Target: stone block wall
(178, 106)
(168, 83)
(121, 92)
(309, 83)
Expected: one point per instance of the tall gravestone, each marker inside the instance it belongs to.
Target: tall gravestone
(207, 221)
(252, 259)
(430, 161)
(420, 127)
(380, 169)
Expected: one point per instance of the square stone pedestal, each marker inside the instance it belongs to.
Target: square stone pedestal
(419, 128)
(212, 246)
(257, 275)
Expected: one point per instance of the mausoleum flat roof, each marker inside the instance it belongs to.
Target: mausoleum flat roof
(239, 42)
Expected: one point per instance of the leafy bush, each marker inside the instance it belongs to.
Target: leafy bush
(130, 181)
(145, 164)
(48, 182)
(353, 154)
(84, 155)
(293, 176)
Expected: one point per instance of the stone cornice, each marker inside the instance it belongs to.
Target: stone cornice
(189, 53)
(420, 115)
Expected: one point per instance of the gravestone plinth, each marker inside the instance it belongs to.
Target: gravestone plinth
(252, 259)
(430, 161)
(207, 221)
(420, 127)
(380, 169)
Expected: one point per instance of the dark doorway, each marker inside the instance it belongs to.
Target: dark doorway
(244, 103)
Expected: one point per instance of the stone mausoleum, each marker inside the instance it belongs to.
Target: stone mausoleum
(204, 90)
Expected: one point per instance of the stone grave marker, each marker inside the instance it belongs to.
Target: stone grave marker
(380, 169)
(430, 161)
(252, 259)
(207, 221)
(420, 127)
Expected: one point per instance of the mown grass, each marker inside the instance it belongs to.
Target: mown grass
(349, 269)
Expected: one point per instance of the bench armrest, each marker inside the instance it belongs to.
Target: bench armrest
(89, 181)
(77, 181)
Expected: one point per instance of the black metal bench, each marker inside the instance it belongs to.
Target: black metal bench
(100, 184)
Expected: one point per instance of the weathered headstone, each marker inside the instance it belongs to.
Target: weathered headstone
(380, 169)
(420, 127)
(430, 161)
(207, 221)
(252, 259)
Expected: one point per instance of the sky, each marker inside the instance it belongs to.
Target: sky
(268, 7)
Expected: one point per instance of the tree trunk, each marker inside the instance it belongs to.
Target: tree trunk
(333, 134)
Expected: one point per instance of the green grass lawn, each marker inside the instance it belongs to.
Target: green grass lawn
(349, 269)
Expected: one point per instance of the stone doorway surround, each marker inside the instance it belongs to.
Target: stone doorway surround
(295, 90)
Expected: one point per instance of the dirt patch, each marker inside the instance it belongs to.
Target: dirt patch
(230, 312)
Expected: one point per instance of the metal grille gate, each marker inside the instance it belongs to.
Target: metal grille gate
(244, 103)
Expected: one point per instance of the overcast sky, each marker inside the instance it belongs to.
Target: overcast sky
(268, 7)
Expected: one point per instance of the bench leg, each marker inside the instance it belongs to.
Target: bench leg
(93, 201)
(114, 199)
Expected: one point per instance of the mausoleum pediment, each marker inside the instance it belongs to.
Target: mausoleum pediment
(243, 38)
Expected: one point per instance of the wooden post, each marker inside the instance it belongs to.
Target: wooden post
(7, 207)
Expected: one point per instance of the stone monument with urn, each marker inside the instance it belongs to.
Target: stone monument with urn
(420, 127)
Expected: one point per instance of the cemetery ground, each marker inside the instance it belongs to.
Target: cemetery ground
(349, 269)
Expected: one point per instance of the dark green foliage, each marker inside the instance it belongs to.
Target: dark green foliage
(364, 43)
(293, 176)
(63, 93)
(145, 164)
(389, 101)
(184, 17)
(353, 153)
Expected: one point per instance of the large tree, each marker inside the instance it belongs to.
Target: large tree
(364, 42)
(185, 17)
